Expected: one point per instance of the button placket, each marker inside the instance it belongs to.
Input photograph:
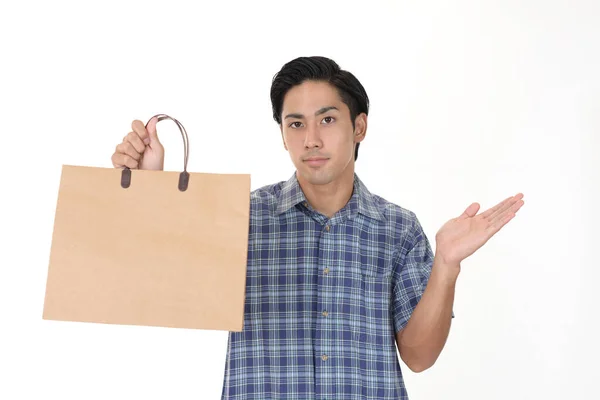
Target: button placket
(326, 240)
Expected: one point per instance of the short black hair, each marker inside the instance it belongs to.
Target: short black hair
(318, 68)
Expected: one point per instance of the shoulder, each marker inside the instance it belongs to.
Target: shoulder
(412, 252)
(265, 198)
(397, 218)
(266, 193)
(394, 218)
(400, 225)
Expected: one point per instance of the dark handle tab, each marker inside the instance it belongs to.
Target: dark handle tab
(126, 178)
(184, 179)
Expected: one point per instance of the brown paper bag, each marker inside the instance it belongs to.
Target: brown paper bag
(146, 252)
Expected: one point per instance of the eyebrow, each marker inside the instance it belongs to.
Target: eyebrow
(319, 112)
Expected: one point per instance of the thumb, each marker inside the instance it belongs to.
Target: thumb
(151, 128)
(470, 211)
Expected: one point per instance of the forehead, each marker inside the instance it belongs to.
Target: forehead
(311, 95)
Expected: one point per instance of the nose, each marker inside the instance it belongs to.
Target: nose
(313, 138)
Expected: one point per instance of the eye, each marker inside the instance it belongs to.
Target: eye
(292, 125)
(329, 120)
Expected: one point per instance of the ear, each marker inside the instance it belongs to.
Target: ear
(360, 127)
(283, 138)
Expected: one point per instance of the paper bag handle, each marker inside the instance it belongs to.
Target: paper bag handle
(184, 177)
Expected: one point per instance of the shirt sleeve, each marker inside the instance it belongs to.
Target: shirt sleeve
(413, 264)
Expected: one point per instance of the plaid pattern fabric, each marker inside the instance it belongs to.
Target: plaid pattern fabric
(325, 297)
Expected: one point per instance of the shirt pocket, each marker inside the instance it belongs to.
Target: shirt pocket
(374, 262)
(370, 318)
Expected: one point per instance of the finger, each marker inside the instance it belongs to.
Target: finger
(123, 160)
(139, 128)
(517, 206)
(151, 128)
(135, 141)
(493, 228)
(115, 160)
(512, 206)
(127, 148)
(496, 208)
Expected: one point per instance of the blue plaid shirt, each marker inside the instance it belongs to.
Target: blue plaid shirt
(325, 298)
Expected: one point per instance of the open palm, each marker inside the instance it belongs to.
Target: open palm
(460, 237)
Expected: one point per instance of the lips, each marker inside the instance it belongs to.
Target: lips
(316, 161)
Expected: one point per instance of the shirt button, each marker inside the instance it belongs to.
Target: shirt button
(327, 228)
(326, 271)
(324, 357)
(325, 313)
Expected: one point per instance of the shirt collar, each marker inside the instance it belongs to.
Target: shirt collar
(362, 201)
(290, 195)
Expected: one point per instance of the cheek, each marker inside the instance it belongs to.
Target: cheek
(341, 141)
(293, 145)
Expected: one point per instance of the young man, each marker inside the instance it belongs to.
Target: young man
(337, 276)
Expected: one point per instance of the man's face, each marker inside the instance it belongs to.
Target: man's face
(317, 132)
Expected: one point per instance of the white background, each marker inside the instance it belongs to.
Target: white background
(470, 101)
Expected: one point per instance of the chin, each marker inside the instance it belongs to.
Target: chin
(317, 176)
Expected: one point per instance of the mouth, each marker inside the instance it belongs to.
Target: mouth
(316, 161)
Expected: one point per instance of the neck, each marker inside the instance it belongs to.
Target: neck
(328, 199)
